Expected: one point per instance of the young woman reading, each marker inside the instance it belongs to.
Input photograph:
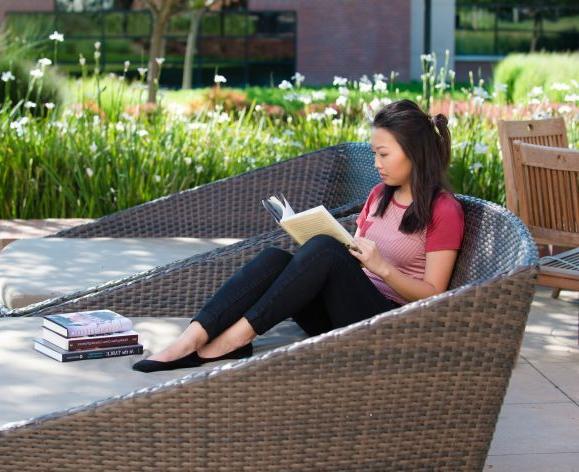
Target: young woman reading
(409, 233)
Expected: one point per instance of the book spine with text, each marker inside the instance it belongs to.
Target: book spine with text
(113, 352)
(102, 343)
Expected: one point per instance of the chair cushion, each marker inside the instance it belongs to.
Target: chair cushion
(33, 384)
(32, 270)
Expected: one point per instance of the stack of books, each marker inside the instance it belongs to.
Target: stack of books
(87, 335)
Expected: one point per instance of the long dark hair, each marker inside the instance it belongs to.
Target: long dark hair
(426, 142)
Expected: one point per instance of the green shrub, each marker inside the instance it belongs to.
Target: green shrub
(523, 72)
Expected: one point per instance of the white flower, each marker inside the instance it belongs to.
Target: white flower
(365, 80)
(386, 101)
(534, 101)
(258, 107)
(127, 64)
(337, 122)
(81, 60)
(160, 60)
(560, 87)
(97, 45)
(49, 105)
(306, 99)
(426, 57)
(375, 104)
(480, 92)
(339, 81)
(120, 126)
(142, 71)
(97, 54)
(298, 78)
(56, 36)
(93, 148)
(219, 79)
(36, 73)
(379, 77)
(89, 172)
(276, 140)
(480, 148)
(318, 95)
(113, 190)
(329, 111)
(452, 122)
(541, 115)
(30, 104)
(565, 109)
(363, 132)
(380, 86)
(6, 76)
(188, 160)
(475, 166)
(315, 116)
(451, 74)
(536, 92)
(142, 133)
(500, 87)
(285, 85)
(157, 178)
(199, 168)
(44, 62)
(365, 86)
(478, 101)
(344, 91)
(195, 125)
(572, 97)
(341, 100)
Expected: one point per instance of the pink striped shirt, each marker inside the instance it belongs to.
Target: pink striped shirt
(407, 252)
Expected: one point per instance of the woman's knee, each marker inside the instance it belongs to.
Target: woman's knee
(275, 255)
(323, 241)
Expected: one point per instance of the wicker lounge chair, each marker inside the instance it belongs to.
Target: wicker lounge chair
(416, 388)
(339, 177)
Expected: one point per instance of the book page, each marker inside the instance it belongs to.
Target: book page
(318, 220)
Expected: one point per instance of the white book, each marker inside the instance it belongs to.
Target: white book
(87, 323)
(308, 223)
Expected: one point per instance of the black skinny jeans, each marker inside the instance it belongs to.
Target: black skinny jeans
(321, 286)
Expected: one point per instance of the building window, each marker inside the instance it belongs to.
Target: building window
(499, 29)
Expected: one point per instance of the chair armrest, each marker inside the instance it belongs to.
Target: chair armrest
(180, 288)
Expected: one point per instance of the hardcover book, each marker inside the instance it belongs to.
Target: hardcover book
(87, 323)
(62, 355)
(96, 341)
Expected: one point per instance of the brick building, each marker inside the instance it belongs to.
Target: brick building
(348, 38)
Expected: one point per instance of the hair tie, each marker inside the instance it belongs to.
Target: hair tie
(433, 120)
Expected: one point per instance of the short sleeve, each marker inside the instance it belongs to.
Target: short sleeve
(366, 208)
(446, 228)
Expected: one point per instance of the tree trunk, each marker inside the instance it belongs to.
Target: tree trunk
(159, 25)
(191, 50)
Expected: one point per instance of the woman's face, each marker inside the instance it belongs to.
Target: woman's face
(389, 159)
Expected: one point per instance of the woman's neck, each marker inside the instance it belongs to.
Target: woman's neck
(403, 195)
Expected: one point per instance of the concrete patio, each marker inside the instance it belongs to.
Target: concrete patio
(538, 427)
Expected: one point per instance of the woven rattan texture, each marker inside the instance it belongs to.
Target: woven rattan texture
(419, 388)
(231, 207)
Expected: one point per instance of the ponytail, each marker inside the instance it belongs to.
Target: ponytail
(440, 123)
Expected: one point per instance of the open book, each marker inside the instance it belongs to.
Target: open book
(308, 223)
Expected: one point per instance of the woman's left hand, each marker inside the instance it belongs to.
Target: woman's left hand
(370, 255)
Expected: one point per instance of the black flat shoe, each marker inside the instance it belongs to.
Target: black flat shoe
(191, 360)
